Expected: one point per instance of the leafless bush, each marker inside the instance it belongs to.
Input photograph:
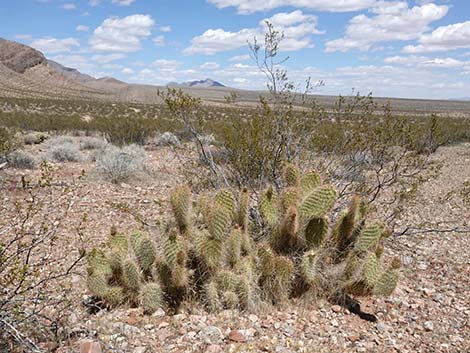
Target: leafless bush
(35, 273)
(120, 164)
(22, 160)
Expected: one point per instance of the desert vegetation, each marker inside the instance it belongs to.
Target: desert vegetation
(185, 225)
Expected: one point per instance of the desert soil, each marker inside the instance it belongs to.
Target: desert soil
(429, 311)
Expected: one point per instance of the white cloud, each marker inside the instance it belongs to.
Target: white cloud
(122, 2)
(104, 59)
(159, 40)
(54, 45)
(250, 6)
(23, 36)
(122, 34)
(69, 6)
(454, 36)
(166, 65)
(82, 28)
(239, 58)
(210, 65)
(78, 62)
(127, 71)
(425, 61)
(217, 40)
(115, 2)
(392, 21)
(296, 25)
(165, 28)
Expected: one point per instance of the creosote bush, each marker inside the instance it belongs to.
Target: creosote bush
(119, 164)
(209, 252)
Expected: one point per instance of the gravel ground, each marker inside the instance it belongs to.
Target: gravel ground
(429, 311)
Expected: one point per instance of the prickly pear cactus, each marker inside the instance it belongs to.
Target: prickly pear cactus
(209, 253)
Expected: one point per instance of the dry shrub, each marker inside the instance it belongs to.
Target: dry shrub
(63, 149)
(35, 273)
(119, 164)
(22, 160)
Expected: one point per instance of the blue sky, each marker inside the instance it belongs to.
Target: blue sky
(414, 48)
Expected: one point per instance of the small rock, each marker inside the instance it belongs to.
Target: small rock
(336, 308)
(211, 335)
(140, 350)
(90, 347)
(248, 333)
(334, 323)
(429, 326)
(236, 336)
(253, 318)
(213, 348)
(382, 327)
(354, 338)
(159, 313)
(164, 334)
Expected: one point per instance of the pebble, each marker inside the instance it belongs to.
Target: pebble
(429, 326)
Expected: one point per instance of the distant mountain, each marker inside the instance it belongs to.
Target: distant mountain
(207, 83)
(111, 80)
(72, 74)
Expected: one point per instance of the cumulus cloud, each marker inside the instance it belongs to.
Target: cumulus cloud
(159, 41)
(210, 65)
(122, 34)
(296, 25)
(54, 45)
(23, 36)
(69, 6)
(122, 2)
(250, 6)
(424, 61)
(454, 36)
(115, 2)
(82, 28)
(127, 71)
(78, 62)
(239, 58)
(165, 28)
(166, 65)
(105, 59)
(392, 21)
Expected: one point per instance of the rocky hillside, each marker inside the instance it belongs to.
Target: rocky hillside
(19, 57)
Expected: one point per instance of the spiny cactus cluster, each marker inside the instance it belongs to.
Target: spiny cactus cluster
(209, 253)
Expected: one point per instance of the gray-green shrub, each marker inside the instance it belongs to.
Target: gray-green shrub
(119, 164)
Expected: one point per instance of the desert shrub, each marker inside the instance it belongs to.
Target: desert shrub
(213, 253)
(167, 139)
(206, 139)
(119, 164)
(63, 149)
(34, 138)
(92, 143)
(125, 130)
(7, 141)
(35, 273)
(22, 160)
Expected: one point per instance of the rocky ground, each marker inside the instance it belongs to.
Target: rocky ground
(429, 311)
